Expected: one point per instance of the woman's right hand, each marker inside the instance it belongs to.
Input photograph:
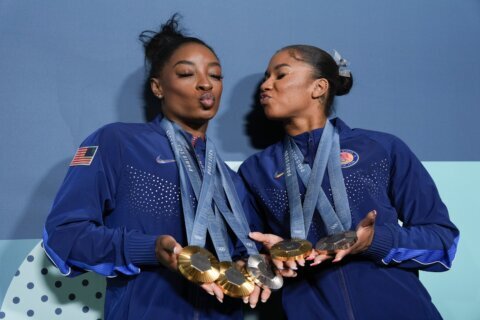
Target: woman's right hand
(167, 250)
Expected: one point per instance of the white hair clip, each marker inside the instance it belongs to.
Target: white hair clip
(342, 64)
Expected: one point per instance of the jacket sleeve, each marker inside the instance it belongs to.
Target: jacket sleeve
(426, 239)
(75, 237)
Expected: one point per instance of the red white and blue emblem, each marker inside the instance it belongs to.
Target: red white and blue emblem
(348, 158)
(84, 156)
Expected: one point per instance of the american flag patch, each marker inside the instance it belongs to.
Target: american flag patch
(84, 156)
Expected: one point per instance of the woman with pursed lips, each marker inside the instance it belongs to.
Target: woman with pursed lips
(121, 210)
(328, 181)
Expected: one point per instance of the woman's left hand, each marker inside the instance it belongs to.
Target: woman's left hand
(286, 268)
(365, 232)
(258, 293)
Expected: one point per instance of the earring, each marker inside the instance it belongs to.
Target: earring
(159, 96)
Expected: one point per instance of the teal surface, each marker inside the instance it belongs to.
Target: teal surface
(12, 254)
(456, 293)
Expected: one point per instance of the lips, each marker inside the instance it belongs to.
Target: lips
(264, 98)
(207, 100)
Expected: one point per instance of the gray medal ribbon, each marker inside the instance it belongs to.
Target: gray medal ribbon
(235, 217)
(301, 216)
(337, 184)
(327, 155)
(187, 206)
(204, 218)
(216, 225)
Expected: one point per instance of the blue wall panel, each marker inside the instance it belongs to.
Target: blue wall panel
(66, 68)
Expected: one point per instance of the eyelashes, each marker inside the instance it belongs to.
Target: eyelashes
(218, 77)
(184, 75)
(277, 77)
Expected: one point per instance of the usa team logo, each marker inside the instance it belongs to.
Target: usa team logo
(348, 158)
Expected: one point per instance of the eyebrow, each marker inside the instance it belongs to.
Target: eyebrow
(281, 65)
(215, 63)
(278, 66)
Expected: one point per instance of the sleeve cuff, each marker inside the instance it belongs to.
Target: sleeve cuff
(381, 245)
(141, 249)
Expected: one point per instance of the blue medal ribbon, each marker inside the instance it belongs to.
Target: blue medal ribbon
(327, 156)
(218, 186)
(204, 189)
(188, 211)
(235, 217)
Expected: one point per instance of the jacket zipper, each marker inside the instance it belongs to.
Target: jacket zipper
(346, 296)
(196, 313)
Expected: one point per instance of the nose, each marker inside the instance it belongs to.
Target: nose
(266, 84)
(204, 83)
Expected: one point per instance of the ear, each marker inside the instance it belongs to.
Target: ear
(320, 88)
(156, 87)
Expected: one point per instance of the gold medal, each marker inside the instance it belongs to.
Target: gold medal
(198, 264)
(234, 282)
(333, 243)
(291, 249)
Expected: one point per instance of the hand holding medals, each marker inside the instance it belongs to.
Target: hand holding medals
(217, 203)
(337, 221)
(364, 235)
(167, 250)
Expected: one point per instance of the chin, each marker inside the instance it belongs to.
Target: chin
(271, 115)
(203, 117)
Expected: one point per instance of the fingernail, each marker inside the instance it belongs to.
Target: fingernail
(221, 301)
(293, 268)
(302, 263)
(211, 293)
(263, 300)
(176, 250)
(245, 300)
(252, 306)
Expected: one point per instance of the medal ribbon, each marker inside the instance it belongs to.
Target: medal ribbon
(327, 155)
(235, 217)
(196, 226)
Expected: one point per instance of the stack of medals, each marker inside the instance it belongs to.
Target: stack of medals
(196, 263)
(258, 269)
(337, 222)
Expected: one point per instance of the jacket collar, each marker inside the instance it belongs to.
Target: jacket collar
(155, 124)
(343, 129)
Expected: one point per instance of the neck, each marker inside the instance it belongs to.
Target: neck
(297, 125)
(196, 129)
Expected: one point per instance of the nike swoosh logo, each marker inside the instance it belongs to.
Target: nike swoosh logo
(277, 174)
(163, 161)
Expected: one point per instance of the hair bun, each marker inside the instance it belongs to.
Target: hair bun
(154, 42)
(344, 84)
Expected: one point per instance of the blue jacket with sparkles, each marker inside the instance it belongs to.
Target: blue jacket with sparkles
(107, 216)
(380, 173)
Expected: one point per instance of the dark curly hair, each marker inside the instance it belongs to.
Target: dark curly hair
(160, 46)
